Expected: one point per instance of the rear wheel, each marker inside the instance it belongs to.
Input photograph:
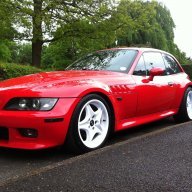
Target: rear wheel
(185, 110)
(90, 124)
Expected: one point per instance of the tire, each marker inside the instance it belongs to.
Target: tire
(185, 110)
(90, 124)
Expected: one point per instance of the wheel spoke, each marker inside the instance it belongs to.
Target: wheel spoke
(91, 134)
(89, 111)
(83, 125)
(99, 128)
(98, 115)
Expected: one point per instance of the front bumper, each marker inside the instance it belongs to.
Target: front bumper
(51, 126)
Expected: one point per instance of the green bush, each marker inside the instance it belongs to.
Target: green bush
(5, 53)
(188, 70)
(10, 70)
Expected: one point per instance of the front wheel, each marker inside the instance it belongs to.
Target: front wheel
(90, 124)
(185, 110)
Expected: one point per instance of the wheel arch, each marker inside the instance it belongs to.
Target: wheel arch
(70, 141)
(180, 94)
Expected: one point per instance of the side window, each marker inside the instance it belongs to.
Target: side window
(152, 60)
(140, 69)
(171, 64)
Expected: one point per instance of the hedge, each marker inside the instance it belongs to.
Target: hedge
(10, 70)
(188, 70)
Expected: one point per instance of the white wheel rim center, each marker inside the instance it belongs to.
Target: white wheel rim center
(93, 123)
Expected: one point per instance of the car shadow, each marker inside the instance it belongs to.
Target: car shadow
(36, 155)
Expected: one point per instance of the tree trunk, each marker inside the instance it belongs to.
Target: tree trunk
(37, 41)
(36, 53)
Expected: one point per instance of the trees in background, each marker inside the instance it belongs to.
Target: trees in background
(39, 20)
(7, 31)
(59, 31)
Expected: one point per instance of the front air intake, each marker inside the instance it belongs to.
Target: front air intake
(4, 133)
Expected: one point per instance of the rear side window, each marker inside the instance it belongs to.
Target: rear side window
(171, 65)
(153, 60)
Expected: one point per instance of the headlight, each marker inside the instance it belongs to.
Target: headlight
(31, 104)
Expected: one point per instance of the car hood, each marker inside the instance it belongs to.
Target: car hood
(52, 81)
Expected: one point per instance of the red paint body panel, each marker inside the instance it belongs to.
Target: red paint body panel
(154, 96)
(134, 101)
(50, 134)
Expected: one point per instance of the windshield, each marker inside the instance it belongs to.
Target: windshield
(119, 60)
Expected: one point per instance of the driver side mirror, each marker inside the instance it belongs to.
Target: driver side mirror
(157, 71)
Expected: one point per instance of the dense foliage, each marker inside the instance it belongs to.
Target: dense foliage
(55, 33)
(188, 70)
(10, 70)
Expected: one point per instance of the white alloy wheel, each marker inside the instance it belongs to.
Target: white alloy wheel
(93, 123)
(189, 104)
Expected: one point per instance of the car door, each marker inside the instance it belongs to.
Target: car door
(156, 95)
(176, 73)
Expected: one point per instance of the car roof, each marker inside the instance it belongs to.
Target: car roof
(142, 49)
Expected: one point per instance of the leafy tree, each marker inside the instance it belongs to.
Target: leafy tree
(85, 37)
(23, 54)
(40, 19)
(153, 25)
(140, 16)
(5, 53)
(133, 23)
(7, 31)
(88, 36)
(59, 31)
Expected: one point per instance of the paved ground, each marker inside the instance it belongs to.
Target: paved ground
(157, 161)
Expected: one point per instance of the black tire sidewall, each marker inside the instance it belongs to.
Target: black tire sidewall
(182, 114)
(74, 139)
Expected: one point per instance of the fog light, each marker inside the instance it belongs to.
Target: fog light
(28, 132)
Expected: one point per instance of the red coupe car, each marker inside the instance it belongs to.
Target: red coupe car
(109, 90)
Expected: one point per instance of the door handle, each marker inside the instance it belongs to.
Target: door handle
(170, 83)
